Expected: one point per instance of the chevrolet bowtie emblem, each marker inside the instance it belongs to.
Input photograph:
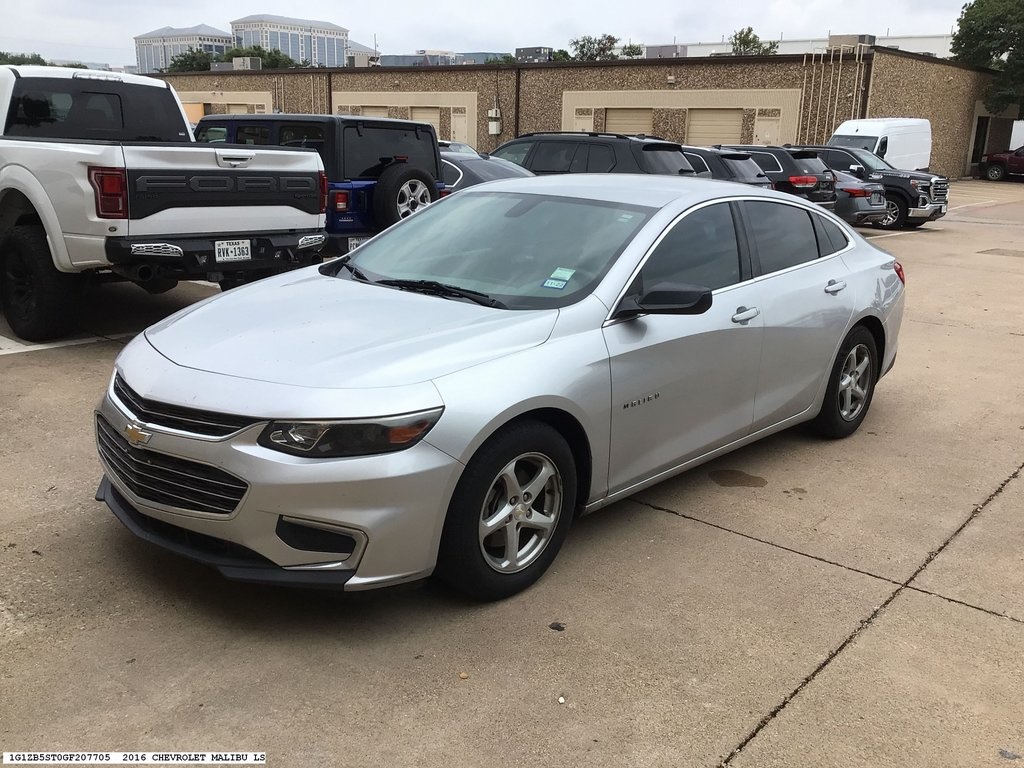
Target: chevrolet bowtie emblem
(136, 435)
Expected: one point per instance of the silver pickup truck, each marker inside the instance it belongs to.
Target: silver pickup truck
(100, 179)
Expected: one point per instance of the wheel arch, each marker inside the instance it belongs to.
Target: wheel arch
(18, 189)
(877, 330)
(16, 209)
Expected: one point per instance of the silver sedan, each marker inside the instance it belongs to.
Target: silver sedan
(447, 398)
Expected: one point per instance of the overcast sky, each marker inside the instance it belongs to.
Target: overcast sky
(102, 30)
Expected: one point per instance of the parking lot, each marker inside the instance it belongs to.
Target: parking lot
(796, 603)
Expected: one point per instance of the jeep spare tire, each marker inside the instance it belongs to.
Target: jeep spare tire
(401, 190)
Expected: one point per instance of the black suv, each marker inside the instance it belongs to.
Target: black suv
(726, 165)
(911, 197)
(576, 152)
(378, 170)
(799, 172)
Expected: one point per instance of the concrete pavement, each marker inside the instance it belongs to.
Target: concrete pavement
(859, 607)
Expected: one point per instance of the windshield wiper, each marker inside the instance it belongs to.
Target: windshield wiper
(356, 272)
(434, 288)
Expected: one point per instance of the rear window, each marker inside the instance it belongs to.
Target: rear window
(809, 162)
(743, 169)
(93, 109)
(494, 168)
(857, 142)
(369, 148)
(664, 158)
(697, 162)
(766, 162)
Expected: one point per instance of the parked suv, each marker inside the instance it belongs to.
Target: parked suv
(799, 172)
(575, 152)
(998, 166)
(726, 165)
(911, 197)
(379, 170)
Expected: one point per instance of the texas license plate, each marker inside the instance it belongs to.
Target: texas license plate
(355, 242)
(232, 250)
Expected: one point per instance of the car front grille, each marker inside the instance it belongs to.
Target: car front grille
(167, 479)
(192, 420)
(940, 191)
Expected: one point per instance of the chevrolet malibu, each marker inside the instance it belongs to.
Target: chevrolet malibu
(447, 398)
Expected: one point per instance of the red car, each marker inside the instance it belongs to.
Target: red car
(997, 167)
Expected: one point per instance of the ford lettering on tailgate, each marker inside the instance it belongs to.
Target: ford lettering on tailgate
(153, 191)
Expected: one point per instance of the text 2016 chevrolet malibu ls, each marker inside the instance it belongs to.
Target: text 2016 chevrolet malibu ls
(448, 398)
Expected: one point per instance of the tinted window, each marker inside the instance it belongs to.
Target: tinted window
(830, 236)
(663, 158)
(743, 169)
(700, 250)
(809, 162)
(601, 160)
(553, 157)
(863, 142)
(254, 134)
(211, 133)
(698, 163)
(783, 234)
(515, 153)
(491, 168)
(840, 161)
(450, 175)
(579, 160)
(84, 108)
(767, 162)
(369, 148)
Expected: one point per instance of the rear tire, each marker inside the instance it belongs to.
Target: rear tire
(401, 190)
(510, 513)
(851, 385)
(995, 173)
(40, 302)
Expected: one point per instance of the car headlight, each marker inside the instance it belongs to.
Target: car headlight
(355, 437)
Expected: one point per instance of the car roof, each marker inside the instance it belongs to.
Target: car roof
(649, 190)
(592, 135)
(294, 118)
(70, 73)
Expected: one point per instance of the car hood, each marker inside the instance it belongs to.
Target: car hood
(900, 174)
(319, 331)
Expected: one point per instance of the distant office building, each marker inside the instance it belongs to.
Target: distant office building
(533, 55)
(360, 55)
(320, 43)
(665, 51)
(934, 45)
(154, 50)
(482, 57)
(424, 58)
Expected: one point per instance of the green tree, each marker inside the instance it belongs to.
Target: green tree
(561, 55)
(745, 43)
(589, 48)
(192, 60)
(270, 59)
(505, 58)
(990, 33)
(21, 58)
(632, 51)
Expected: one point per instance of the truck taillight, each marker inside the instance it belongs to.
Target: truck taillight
(110, 186)
(803, 182)
(323, 192)
(340, 201)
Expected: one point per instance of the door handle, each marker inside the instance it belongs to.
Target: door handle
(745, 314)
(835, 286)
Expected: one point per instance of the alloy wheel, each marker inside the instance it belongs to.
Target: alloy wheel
(412, 196)
(520, 512)
(892, 213)
(854, 382)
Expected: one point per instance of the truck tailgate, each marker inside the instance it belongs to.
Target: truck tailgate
(227, 188)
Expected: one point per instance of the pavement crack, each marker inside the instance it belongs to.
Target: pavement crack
(964, 604)
(865, 623)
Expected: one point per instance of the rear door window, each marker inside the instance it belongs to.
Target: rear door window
(211, 133)
(553, 157)
(370, 148)
(254, 134)
(830, 237)
(783, 234)
(579, 160)
(601, 159)
(698, 162)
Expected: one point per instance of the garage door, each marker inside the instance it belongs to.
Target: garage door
(629, 120)
(430, 115)
(705, 127)
(375, 111)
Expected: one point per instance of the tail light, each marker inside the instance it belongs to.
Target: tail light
(899, 272)
(444, 192)
(110, 186)
(323, 192)
(340, 201)
(803, 182)
(856, 191)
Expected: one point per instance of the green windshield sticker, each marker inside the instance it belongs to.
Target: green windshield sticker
(562, 273)
(559, 284)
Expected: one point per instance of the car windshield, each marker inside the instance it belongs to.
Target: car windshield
(528, 251)
(855, 142)
(871, 161)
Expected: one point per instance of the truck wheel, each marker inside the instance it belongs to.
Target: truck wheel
(995, 173)
(40, 302)
(895, 213)
(400, 192)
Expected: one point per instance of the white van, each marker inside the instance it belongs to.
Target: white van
(904, 142)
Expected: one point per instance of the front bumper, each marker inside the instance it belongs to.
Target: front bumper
(193, 257)
(391, 507)
(928, 212)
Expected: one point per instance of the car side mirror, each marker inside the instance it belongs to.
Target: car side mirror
(857, 170)
(667, 299)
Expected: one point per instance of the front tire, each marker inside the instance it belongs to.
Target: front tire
(40, 302)
(851, 386)
(995, 173)
(509, 514)
(895, 213)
